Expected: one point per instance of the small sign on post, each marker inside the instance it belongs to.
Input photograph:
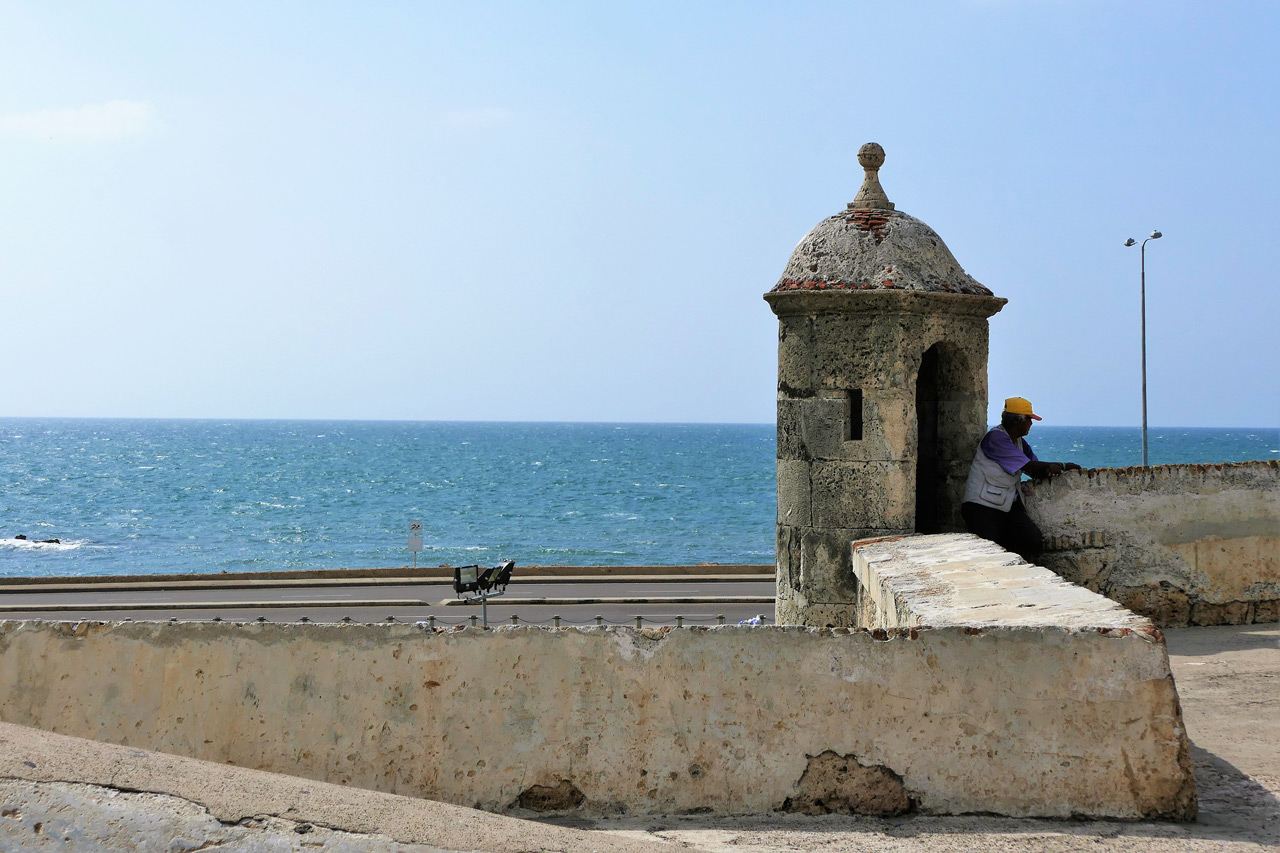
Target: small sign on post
(415, 539)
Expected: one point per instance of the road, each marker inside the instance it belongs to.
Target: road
(658, 599)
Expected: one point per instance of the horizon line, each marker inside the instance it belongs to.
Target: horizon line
(242, 419)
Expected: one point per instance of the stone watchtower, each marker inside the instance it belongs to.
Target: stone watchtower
(882, 394)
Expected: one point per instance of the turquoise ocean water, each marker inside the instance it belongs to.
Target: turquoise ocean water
(160, 496)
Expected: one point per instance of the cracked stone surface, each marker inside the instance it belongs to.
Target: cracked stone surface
(74, 817)
(72, 794)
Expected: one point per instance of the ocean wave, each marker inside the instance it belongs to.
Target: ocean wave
(221, 496)
(37, 545)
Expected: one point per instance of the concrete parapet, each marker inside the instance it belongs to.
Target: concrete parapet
(1020, 721)
(958, 579)
(1181, 544)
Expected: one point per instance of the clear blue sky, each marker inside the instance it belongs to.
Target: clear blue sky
(570, 211)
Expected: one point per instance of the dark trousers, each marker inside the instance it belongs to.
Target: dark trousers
(1013, 530)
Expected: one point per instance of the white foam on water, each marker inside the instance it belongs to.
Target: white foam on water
(34, 545)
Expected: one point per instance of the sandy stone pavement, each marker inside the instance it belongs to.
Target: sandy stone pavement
(73, 795)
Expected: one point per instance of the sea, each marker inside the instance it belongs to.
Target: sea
(130, 497)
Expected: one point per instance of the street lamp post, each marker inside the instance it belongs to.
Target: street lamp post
(1155, 235)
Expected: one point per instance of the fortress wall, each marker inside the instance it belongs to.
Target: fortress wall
(1020, 721)
(1181, 544)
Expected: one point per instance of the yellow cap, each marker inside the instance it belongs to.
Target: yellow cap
(1020, 406)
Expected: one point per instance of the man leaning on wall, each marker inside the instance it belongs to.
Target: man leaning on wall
(993, 507)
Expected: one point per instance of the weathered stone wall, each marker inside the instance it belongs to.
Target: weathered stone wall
(1181, 544)
(1052, 721)
(848, 428)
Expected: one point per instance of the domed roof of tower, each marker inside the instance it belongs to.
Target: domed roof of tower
(871, 246)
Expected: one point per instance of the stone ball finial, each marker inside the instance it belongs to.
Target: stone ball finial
(871, 155)
(871, 196)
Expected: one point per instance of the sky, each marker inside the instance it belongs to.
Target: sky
(564, 211)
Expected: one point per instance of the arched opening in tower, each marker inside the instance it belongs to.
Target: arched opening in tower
(950, 406)
(928, 518)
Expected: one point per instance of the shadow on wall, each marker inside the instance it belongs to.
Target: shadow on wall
(1237, 810)
(1179, 544)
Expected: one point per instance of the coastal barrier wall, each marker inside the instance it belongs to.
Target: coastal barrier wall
(1180, 544)
(1048, 721)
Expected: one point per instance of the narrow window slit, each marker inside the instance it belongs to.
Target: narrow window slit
(853, 418)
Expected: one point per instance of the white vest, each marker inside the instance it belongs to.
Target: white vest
(989, 484)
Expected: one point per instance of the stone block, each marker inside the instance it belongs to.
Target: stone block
(1267, 611)
(1162, 604)
(789, 609)
(788, 560)
(874, 495)
(826, 573)
(794, 489)
(795, 356)
(889, 427)
(825, 425)
(819, 615)
(1231, 613)
(851, 351)
(1089, 567)
(790, 436)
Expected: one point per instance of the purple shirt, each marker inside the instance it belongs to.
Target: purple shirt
(1005, 452)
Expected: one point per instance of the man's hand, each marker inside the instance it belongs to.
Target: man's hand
(1048, 469)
